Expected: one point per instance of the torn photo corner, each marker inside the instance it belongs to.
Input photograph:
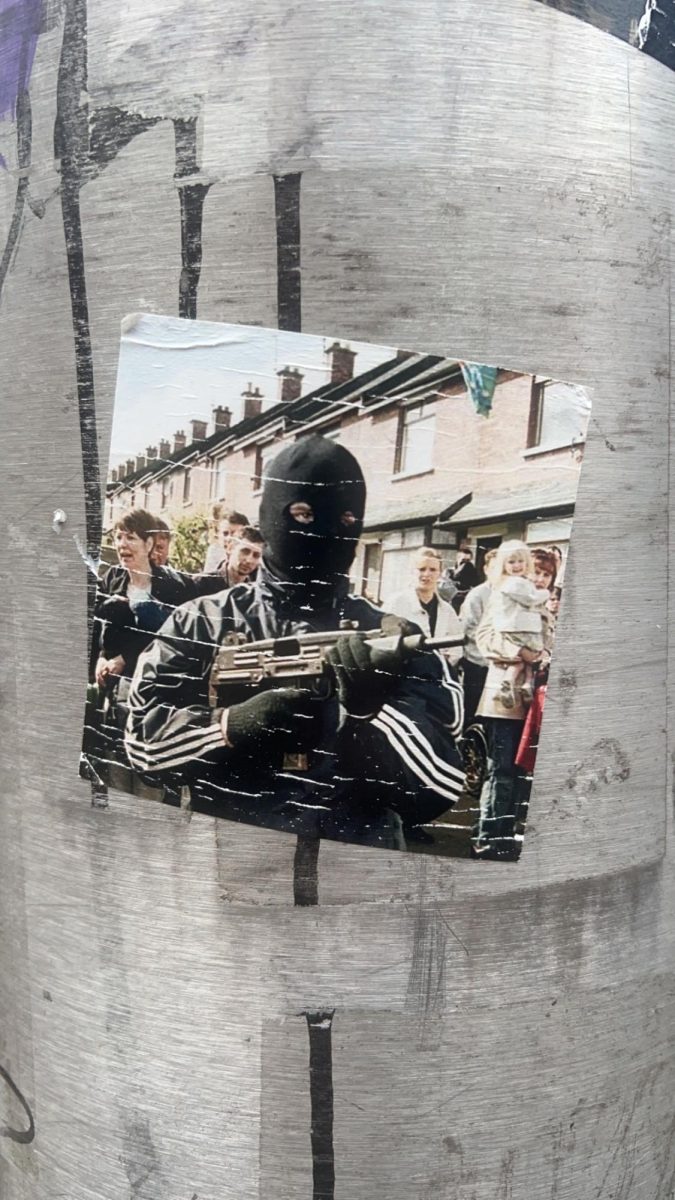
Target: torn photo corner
(329, 584)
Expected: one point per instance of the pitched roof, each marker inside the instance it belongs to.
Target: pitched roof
(409, 376)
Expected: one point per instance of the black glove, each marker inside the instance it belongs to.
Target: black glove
(283, 720)
(365, 673)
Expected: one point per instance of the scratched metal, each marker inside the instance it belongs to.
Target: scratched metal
(490, 180)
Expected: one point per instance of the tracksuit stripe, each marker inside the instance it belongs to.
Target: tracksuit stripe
(431, 760)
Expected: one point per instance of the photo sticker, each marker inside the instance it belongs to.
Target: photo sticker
(329, 585)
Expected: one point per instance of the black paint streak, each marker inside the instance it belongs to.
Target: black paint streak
(110, 130)
(289, 316)
(306, 871)
(22, 1136)
(306, 860)
(71, 149)
(320, 1025)
(71, 145)
(192, 195)
(287, 212)
(24, 134)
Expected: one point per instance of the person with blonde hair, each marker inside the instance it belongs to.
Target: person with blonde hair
(510, 638)
(517, 612)
(422, 604)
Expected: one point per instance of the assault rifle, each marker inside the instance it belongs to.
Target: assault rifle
(300, 659)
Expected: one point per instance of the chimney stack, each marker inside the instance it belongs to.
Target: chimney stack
(253, 399)
(113, 475)
(198, 431)
(130, 467)
(221, 419)
(140, 462)
(290, 383)
(164, 448)
(150, 453)
(341, 360)
(179, 441)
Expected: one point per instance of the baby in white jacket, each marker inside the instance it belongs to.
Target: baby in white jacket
(517, 612)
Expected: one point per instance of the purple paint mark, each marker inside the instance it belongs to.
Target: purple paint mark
(20, 25)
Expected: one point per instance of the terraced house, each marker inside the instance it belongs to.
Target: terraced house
(438, 472)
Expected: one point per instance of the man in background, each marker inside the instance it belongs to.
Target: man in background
(229, 525)
(243, 557)
(161, 543)
(465, 577)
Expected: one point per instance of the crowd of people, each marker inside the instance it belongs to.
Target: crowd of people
(135, 596)
(507, 622)
(387, 749)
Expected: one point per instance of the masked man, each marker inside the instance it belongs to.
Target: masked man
(378, 754)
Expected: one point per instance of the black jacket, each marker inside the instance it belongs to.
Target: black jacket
(117, 629)
(404, 760)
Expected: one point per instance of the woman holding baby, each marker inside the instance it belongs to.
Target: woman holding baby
(514, 637)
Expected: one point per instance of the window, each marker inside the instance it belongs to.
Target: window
(187, 476)
(263, 454)
(415, 439)
(166, 490)
(218, 475)
(559, 414)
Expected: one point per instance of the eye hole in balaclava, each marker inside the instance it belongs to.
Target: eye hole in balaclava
(311, 514)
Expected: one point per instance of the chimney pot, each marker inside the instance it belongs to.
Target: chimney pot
(150, 453)
(198, 431)
(341, 360)
(253, 400)
(221, 418)
(290, 384)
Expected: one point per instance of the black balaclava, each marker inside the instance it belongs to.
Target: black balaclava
(314, 559)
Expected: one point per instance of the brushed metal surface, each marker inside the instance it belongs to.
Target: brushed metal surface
(492, 181)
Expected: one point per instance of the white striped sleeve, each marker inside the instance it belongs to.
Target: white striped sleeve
(174, 751)
(419, 756)
(457, 692)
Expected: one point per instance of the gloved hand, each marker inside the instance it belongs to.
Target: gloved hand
(365, 673)
(282, 720)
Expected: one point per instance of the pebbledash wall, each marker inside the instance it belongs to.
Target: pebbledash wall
(437, 473)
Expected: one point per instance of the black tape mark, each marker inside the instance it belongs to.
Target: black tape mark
(320, 1026)
(192, 195)
(287, 213)
(22, 1136)
(306, 871)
